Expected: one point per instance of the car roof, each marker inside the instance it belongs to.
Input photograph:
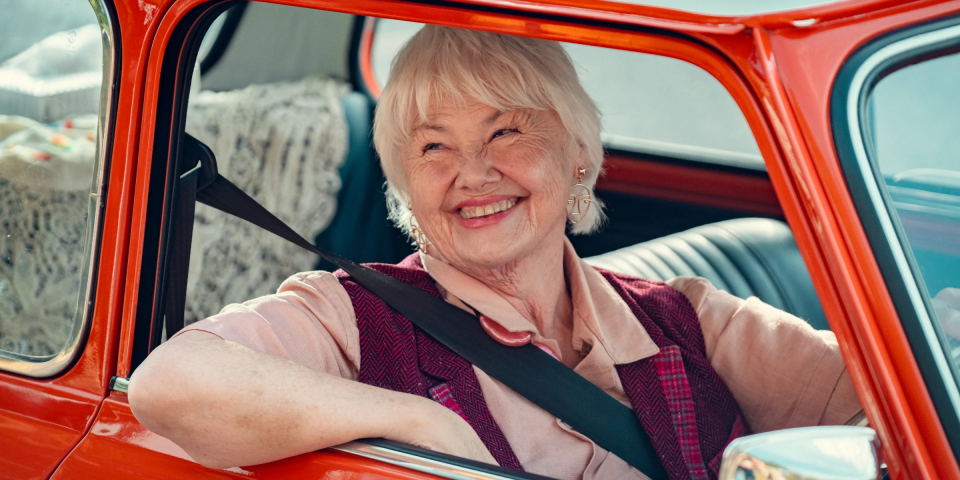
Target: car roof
(690, 21)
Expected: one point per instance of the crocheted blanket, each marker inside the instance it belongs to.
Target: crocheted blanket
(283, 144)
(46, 181)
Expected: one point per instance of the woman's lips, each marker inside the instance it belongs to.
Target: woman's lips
(476, 216)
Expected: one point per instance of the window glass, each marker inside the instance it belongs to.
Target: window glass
(914, 120)
(650, 104)
(51, 70)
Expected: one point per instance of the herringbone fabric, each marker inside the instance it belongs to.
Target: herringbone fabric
(397, 355)
(442, 395)
(672, 323)
(682, 403)
(676, 388)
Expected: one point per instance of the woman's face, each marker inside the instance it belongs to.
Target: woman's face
(488, 187)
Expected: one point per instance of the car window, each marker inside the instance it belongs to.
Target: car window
(649, 103)
(53, 58)
(894, 114)
(914, 121)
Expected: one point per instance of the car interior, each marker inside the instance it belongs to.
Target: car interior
(685, 188)
(283, 97)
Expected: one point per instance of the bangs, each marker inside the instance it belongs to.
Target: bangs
(504, 74)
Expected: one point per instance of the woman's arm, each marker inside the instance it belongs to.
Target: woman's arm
(781, 371)
(228, 405)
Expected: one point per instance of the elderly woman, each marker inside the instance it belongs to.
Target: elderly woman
(490, 146)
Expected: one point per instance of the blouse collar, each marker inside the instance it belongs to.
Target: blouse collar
(605, 330)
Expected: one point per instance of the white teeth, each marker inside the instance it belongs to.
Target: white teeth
(488, 209)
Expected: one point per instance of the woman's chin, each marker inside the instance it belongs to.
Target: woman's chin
(488, 258)
(489, 248)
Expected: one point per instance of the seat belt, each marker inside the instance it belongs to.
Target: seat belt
(527, 370)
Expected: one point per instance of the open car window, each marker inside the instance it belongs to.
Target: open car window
(298, 142)
(649, 104)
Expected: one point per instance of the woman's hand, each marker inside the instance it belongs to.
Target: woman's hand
(435, 427)
(947, 306)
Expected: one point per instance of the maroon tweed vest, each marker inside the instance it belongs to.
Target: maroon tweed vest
(680, 400)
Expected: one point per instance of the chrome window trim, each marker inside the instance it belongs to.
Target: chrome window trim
(856, 110)
(414, 462)
(46, 366)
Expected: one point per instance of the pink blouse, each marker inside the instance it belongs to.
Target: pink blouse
(781, 371)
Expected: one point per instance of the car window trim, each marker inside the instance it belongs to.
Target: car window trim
(51, 365)
(848, 106)
(231, 20)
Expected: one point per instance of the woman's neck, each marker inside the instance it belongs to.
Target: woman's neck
(536, 286)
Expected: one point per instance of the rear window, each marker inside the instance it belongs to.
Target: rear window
(649, 103)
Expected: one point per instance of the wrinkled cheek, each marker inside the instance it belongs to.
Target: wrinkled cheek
(429, 185)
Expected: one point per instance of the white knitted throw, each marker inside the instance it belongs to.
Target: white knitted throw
(283, 144)
(46, 173)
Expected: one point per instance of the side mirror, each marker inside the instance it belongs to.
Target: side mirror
(810, 453)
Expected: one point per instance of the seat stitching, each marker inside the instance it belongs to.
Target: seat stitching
(781, 289)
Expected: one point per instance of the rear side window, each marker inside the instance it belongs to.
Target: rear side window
(54, 56)
(650, 104)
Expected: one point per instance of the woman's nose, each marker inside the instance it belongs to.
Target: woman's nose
(477, 171)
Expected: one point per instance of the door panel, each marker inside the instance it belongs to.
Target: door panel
(39, 424)
(118, 446)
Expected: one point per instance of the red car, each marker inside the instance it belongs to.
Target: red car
(721, 122)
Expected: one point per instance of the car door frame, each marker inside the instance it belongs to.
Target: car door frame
(748, 56)
(47, 407)
(874, 343)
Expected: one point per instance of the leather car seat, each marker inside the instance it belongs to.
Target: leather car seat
(745, 256)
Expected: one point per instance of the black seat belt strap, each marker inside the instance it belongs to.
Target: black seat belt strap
(527, 370)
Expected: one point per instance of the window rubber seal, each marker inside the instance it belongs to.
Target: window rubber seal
(233, 15)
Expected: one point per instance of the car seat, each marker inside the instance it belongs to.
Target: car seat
(745, 256)
(360, 230)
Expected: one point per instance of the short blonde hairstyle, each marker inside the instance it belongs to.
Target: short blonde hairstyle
(502, 71)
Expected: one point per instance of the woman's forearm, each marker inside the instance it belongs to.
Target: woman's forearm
(228, 405)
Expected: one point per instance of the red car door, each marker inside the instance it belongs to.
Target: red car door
(57, 346)
(779, 69)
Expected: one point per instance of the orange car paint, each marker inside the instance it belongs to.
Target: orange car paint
(778, 72)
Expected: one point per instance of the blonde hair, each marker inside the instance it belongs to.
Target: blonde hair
(502, 71)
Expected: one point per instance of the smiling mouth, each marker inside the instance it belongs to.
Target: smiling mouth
(486, 210)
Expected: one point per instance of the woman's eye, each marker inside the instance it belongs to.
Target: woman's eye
(502, 132)
(432, 146)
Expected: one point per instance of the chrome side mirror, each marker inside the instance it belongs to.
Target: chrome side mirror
(809, 453)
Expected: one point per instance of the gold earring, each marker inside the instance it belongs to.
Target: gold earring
(418, 235)
(580, 199)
